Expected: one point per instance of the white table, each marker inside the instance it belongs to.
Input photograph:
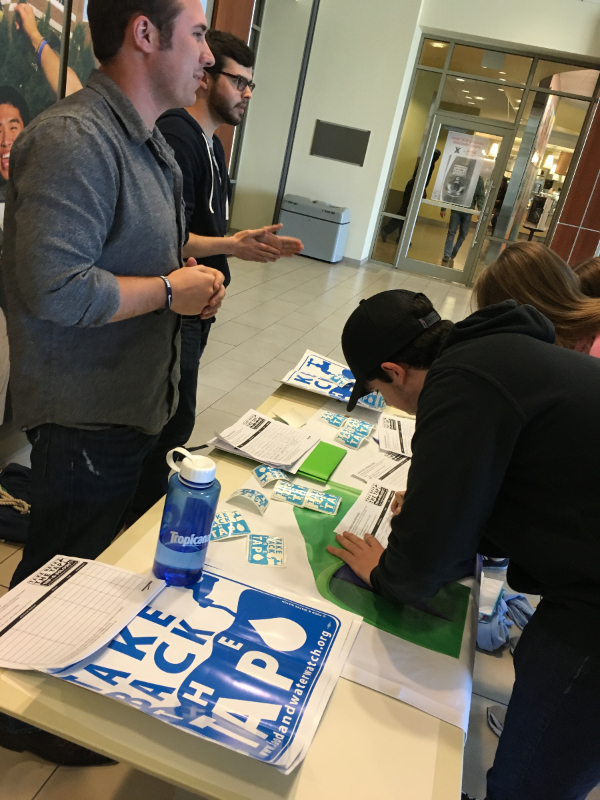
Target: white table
(368, 745)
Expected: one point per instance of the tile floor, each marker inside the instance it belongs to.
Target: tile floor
(272, 314)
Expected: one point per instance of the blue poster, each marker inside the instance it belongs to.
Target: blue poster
(319, 374)
(234, 664)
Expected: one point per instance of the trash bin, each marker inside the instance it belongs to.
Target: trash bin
(323, 228)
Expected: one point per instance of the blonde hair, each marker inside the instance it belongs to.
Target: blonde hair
(531, 274)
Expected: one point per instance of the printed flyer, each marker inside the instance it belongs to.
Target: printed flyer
(460, 168)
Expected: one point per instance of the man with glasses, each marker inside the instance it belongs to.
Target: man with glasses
(222, 97)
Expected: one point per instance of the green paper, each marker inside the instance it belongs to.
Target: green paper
(441, 635)
(320, 464)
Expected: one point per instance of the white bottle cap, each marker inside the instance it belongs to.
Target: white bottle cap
(198, 470)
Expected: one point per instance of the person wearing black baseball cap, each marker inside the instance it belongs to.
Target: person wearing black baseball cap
(384, 325)
(505, 456)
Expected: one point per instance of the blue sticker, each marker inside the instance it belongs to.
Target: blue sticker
(266, 551)
(358, 426)
(250, 495)
(337, 420)
(350, 439)
(266, 474)
(289, 492)
(229, 524)
(322, 502)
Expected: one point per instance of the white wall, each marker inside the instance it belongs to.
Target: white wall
(358, 76)
(559, 26)
(361, 65)
(280, 49)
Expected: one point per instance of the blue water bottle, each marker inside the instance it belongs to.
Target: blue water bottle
(187, 520)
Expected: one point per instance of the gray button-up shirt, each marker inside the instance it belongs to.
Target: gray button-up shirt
(92, 194)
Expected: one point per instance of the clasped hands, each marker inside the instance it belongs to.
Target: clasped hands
(362, 555)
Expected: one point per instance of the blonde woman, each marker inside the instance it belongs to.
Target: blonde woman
(532, 274)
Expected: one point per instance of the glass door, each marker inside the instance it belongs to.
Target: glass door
(453, 198)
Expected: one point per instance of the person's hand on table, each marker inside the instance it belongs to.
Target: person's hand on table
(361, 555)
(397, 503)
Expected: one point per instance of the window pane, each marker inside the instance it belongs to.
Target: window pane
(566, 78)
(489, 252)
(486, 100)
(490, 64)
(539, 161)
(434, 53)
(420, 112)
(388, 236)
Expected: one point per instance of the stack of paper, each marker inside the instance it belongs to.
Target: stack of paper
(322, 375)
(243, 667)
(67, 610)
(266, 440)
(395, 434)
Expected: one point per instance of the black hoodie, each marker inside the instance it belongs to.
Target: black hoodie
(206, 185)
(506, 447)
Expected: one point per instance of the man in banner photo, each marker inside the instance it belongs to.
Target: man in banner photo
(491, 395)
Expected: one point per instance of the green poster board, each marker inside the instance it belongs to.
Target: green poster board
(434, 633)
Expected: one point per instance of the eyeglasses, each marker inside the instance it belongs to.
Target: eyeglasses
(241, 83)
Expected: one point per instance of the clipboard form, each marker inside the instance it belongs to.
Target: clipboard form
(67, 610)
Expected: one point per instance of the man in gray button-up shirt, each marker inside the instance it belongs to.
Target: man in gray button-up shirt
(93, 223)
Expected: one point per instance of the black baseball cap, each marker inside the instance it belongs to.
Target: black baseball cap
(377, 330)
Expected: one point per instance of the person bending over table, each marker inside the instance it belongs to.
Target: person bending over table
(505, 449)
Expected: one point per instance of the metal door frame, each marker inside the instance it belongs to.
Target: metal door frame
(451, 119)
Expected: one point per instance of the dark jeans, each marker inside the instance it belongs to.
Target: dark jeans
(460, 222)
(155, 474)
(550, 746)
(82, 486)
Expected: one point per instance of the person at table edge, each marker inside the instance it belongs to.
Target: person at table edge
(505, 456)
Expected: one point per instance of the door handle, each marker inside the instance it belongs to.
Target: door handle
(484, 212)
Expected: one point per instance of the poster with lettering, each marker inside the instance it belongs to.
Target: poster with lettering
(460, 169)
(229, 662)
(322, 375)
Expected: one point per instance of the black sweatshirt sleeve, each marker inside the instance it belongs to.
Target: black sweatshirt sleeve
(186, 146)
(465, 436)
